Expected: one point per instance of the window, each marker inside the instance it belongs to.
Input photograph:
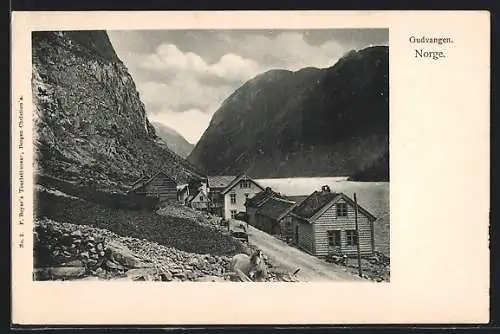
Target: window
(246, 196)
(201, 198)
(333, 238)
(245, 184)
(233, 213)
(341, 209)
(351, 238)
(233, 198)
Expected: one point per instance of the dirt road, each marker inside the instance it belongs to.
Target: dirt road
(289, 258)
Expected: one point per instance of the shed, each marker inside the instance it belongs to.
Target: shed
(272, 217)
(160, 185)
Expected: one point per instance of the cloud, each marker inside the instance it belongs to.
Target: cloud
(168, 57)
(190, 123)
(289, 50)
(181, 94)
(184, 76)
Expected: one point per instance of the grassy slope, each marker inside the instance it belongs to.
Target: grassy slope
(179, 233)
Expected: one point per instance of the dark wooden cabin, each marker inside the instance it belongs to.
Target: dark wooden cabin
(160, 185)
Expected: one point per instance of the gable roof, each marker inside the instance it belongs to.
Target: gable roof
(144, 181)
(319, 201)
(237, 180)
(195, 195)
(275, 208)
(183, 189)
(219, 181)
(313, 203)
(136, 182)
(296, 198)
(261, 197)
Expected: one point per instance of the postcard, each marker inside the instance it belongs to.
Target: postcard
(263, 167)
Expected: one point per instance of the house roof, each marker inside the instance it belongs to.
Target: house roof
(144, 181)
(220, 181)
(319, 200)
(142, 178)
(313, 203)
(296, 198)
(261, 197)
(183, 189)
(237, 180)
(192, 197)
(275, 208)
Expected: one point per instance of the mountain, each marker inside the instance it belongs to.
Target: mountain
(90, 124)
(312, 122)
(173, 139)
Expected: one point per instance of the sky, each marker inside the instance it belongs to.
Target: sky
(183, 76)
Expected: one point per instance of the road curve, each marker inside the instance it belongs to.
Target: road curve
(289, 258)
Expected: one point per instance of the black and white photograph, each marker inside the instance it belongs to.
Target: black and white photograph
(211, 155)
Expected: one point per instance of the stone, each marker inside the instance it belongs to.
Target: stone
(73, 263)
(145, 273)
(61, 273)
(113, 265)
(77, 233)
(166, 276)
(84, 255)
(124, 256)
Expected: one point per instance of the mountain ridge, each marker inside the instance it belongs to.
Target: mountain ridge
(311, 122)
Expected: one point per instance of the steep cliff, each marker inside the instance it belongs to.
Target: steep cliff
(90, 124)
(312, 122)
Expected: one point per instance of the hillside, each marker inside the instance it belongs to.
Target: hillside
(173, 139)
(91, 126)
(312, 122)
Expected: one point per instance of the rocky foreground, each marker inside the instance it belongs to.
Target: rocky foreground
(67, 251)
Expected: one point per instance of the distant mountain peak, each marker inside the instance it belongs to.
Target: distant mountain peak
(173, 139)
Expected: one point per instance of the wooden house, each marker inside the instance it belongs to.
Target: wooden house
(199, 201)
(237, 193)
(160, 185)
(273, 217)
(214, 186)
(324, 222)
(269, 212)
(252, 204)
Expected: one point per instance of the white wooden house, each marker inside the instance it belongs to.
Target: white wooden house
(236, 194)
(199, 201)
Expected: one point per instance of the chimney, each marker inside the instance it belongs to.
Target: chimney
(325, 189)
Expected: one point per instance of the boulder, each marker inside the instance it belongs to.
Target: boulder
(142, 274)
(73, 263)
(59, 273)
(122, 255)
